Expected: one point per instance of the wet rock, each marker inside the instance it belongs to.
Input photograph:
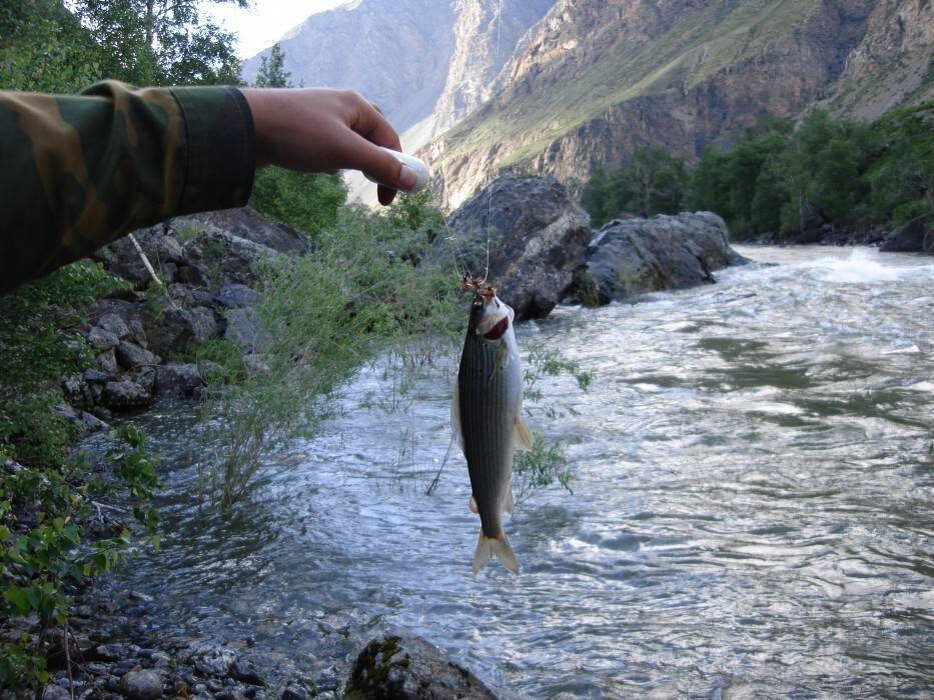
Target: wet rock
(245, 328)
(634, 256)
(916, 236)
(141, 685)
(124, 395)
(236, 296)
(131, 355)
(409, 667)
(101, 339)
(245, 672)
(536, 236)
(215, 662)
(294, 691)
(84, 421)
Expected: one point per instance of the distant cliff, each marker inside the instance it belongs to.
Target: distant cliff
(593, 82)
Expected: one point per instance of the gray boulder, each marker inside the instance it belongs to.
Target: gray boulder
(245, 328)
(236, 296)
(124, 395)
(247, 223)
(101, 339)
(107, 362)
(178, 379)
(220, 256)
(130, 355)
(176, 329)
(634, 256)
(916, 236)
(536, 237)
(406, 668)
(113, 323)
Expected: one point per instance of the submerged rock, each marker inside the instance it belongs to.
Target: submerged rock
(635, 256)
(408, 667)
(535, 233)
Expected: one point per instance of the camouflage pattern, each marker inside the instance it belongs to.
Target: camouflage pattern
(78, 171)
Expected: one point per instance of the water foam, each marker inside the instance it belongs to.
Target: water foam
(860, 267)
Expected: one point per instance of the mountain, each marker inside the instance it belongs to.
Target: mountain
(594, 81)
(426, 63)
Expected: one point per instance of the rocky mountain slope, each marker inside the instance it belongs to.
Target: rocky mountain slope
(425, 62)
(593, 82)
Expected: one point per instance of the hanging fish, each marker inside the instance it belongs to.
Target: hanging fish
(485, 416)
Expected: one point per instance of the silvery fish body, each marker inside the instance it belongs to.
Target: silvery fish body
(487, 422)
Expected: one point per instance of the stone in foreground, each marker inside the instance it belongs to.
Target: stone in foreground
(629, 257)
(407, 667)
(535, 233)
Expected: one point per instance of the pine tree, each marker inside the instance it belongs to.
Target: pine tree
(272, 72)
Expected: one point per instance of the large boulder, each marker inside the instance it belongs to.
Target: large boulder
(535, 235)
(250, 225)
(175, 330)
(178, 379)
(406, 668)
(217, 256)
(635, 256)
(916, 236)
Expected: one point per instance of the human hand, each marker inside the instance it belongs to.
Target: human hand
(324, 130)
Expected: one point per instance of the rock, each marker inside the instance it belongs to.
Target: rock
(92, 376)
(409, 667)
(124, 395)
(141, 685)
(215, 662)
(107, 361)
(536, 234)
(916, 236)
(101, 339)
(245, 328)
(55, 692)
(250, 225)
(245, 672)
(236, 296)
(293, 691)
(122, 258)
(175, 330)
(130, 355)
(225, 257)
(113, 323)
(178, 379)
(635, 256)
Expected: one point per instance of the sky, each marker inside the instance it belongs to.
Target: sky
(265, 22)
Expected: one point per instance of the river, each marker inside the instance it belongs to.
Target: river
(752, 511)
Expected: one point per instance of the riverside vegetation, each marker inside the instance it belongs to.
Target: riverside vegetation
(784, 180)
(357, 294)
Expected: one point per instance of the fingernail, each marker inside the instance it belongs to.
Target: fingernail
(407, 177)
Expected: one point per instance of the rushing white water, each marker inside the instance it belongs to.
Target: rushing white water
(752, 512)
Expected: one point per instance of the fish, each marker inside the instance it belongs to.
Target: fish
(486, 419)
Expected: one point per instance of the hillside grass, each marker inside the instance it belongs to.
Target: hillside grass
(695, 47)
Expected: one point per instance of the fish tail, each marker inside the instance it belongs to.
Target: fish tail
(499, 546)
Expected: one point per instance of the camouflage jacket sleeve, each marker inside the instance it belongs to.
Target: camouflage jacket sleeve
(76, 172)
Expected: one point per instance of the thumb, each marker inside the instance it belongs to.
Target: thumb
(381, 166)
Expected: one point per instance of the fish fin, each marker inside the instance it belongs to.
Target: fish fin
(499, 546)
(510, 504)
(472, 505)
(524, 436)
(456, 417)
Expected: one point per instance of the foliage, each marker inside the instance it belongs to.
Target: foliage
(651, 183)
(44, 547)
(785, 180)
(272, 72)
(323, 315)
(160, 42)
(307, 201)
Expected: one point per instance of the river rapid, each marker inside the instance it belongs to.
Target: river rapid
(751, 516)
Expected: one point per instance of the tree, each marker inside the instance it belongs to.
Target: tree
(272, 72)
(160, 42)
